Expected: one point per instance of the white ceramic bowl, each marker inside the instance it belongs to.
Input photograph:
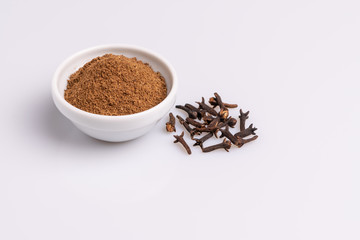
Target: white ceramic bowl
(114, 128)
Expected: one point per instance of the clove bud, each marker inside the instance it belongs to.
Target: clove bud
(170, 125)
(226, 144)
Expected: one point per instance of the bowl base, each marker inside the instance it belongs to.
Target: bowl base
(115, 136)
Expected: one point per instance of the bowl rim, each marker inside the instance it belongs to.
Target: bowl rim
(167, 100)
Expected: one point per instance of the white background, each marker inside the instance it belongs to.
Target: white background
(294, 64)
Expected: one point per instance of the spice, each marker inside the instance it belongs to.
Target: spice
(192, 114)
(194, 122)
(224, 112)
(200, 141)
(226, 133)
(206, 107)
(243, 116)
(214, 102)
(115, 85)
(226, 144)
(212, 121)
(199, 112)
(187, 126)
(246, 132)
(170, 125)
(181, 140)
(211, 127)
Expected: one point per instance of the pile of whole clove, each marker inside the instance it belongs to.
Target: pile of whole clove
(206, 121)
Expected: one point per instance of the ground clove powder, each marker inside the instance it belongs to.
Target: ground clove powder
(115, 85)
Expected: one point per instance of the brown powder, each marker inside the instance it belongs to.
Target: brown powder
(115, 85)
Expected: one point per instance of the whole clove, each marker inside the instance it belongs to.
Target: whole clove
(206, 107)
(226, 133)
(243, 116)
(198, 111)
(224, 112)
(246, 132)
(226, 144)
(190, 112)
(187, 127)
(180, 139)
(170, 125)
(200, 141)
(194, 122)
(211, 127)
(214, 103)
